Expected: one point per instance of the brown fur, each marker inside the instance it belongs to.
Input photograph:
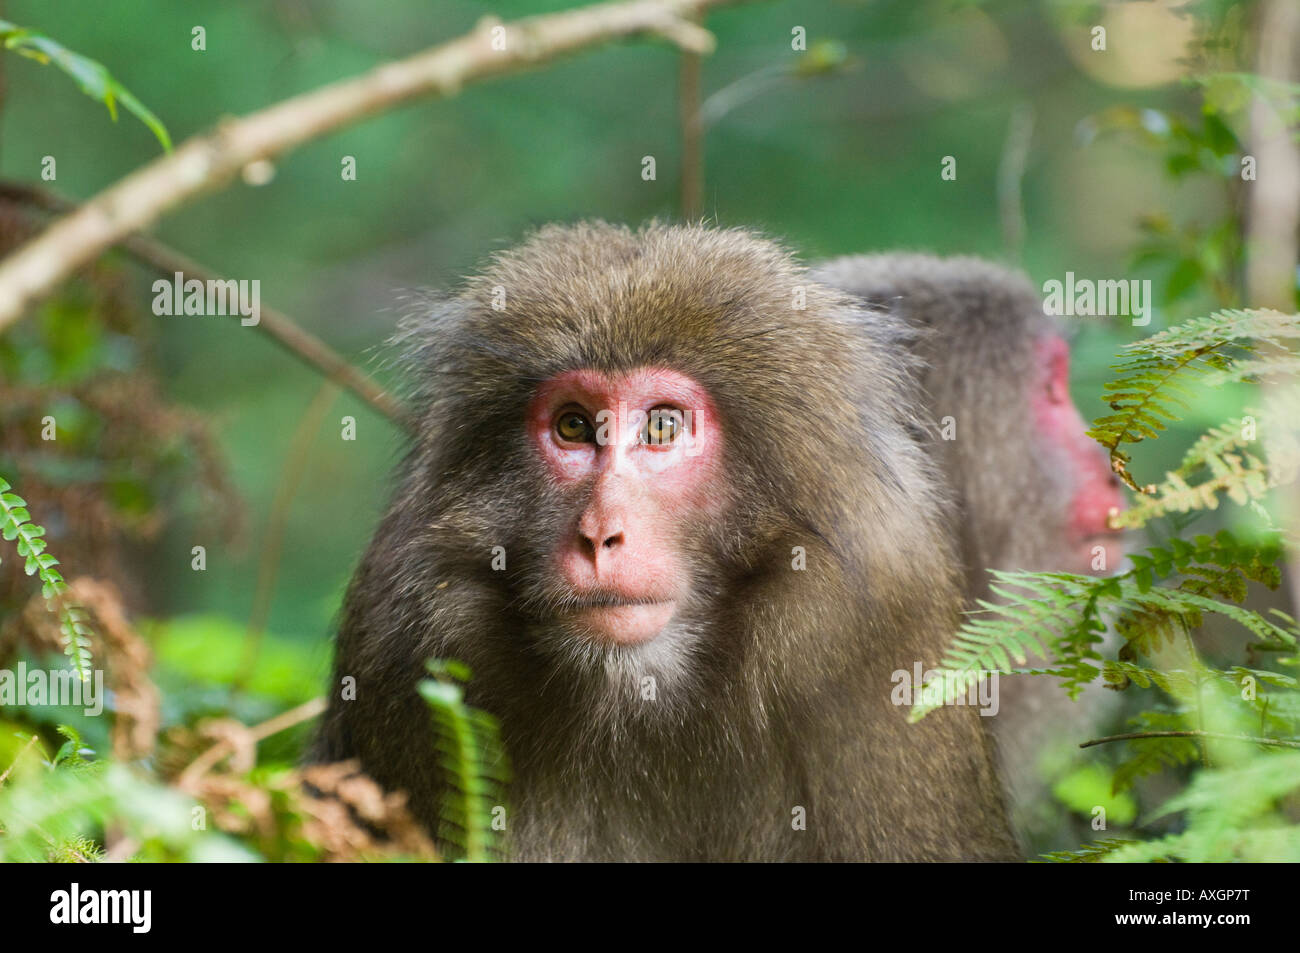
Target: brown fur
(776, 694)
(976, 324)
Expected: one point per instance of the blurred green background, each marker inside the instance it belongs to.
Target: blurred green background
(833, 164)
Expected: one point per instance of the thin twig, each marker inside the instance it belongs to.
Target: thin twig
(281, 328)
(1011, 173)
(287, 719)
(688, 106)
(295, 465)
(1273, 213)
(9, 770)
(1129, 736)
(213, 159)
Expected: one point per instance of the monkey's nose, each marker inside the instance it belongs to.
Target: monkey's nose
(607, 542)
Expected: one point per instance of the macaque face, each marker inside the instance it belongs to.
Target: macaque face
(637, 454)
(1094, 490)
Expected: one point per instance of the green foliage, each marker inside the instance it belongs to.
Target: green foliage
(212, 650)
(1091, 786)
(473, 762)
(1231, 93)
(1229, 461)
(1155, 384)
(1147, 756)
(16, 525)
(1059, 615)
(1198, 257)
(1090, 853)
(78, 850)
(93, 78)
(1247, 329)
(72, 753)
(1233, 814)
(53, 814)
(1222, 726)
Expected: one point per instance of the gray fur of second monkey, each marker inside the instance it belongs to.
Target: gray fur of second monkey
(974, 327)
(774, 687)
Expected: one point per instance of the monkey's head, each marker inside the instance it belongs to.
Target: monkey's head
(629, 435)
(1075, 466)
(1033, 490)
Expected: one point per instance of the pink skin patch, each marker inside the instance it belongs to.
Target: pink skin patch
(1096, 488)
(643, 467)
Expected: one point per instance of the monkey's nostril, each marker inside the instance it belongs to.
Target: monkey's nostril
(589, 548)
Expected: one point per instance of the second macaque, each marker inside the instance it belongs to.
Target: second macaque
(1030, 489)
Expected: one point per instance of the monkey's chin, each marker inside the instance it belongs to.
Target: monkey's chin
(630, 624)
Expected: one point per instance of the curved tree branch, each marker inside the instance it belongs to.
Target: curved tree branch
(281, 328)
(209, 161)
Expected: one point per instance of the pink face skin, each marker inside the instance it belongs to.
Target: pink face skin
(620, 561)
(1096, 488)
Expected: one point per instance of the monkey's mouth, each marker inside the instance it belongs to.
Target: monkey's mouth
(623, 621)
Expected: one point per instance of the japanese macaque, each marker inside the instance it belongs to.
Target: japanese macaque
(1032, 490)
(666, 504)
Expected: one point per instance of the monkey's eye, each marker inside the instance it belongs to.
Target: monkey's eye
(663, 426)
(573, 427)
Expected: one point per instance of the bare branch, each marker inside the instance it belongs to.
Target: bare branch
(212, 756)
(1137, 735)
(281, 328)
(1273, 213)
(688, 96)
(286, 489)
(209, 161)
(1011, 173)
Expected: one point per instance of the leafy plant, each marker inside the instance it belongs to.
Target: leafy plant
(1156, 382)
(16, 526)
(1091, 853)
(92, 77)
(58, 814)
(473, 763)
(1226, 725)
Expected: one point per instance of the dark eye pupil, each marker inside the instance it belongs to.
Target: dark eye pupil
(574, 427)
(663, 426)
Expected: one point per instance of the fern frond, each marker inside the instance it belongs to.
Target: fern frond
(1233, 470)
(1237, 673)
(45, 812)
(1155, 384)
(1269, 844)
(473, 761)
(1215, 442)
(1252, 325)
(1171, 681)
(1232, 814)
(16, 526)
(1057, 615)
(1147, 756)
(1278, 364)
(1244, 479)
(1087, 854)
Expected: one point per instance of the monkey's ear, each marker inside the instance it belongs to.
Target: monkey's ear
(890, 327)
(425, 346)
